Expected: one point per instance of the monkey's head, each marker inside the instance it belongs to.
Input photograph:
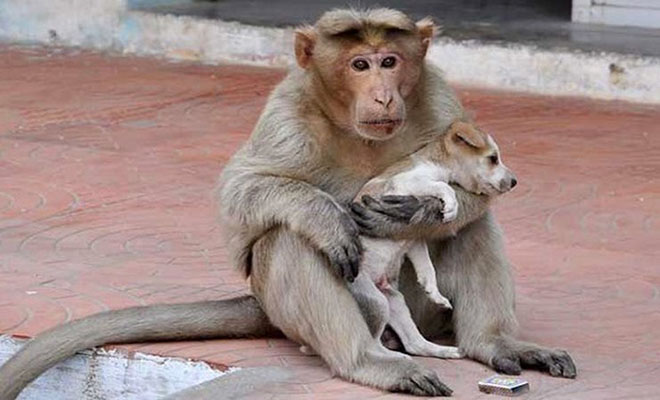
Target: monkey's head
(476, 161)
(364, 67)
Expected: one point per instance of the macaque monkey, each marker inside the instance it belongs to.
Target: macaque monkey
(361, 99)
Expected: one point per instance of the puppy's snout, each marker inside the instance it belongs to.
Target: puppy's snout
(508, 183)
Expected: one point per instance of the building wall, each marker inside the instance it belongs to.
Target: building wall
(642, 13)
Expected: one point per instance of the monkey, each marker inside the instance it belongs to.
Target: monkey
(361, 98)
(466, 156)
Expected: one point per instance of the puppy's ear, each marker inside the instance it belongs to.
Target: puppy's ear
(305, 40)
(468, 134)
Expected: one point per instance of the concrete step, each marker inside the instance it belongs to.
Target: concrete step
(522, 65)
(545, 24)
(113, 374)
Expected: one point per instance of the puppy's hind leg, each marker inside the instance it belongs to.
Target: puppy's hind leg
(376, 311)
(413, 341)
(418, 254)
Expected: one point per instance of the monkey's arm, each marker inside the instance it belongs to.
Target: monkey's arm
(415, 217)
(256, 202)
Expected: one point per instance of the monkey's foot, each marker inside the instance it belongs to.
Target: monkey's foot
(556, 362)
(422, 382)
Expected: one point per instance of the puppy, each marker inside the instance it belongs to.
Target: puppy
(464, 155)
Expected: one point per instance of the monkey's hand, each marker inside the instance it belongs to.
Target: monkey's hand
(338, 237)
(257, 202)
(391, 214)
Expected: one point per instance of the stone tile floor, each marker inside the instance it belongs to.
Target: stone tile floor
(107, 165)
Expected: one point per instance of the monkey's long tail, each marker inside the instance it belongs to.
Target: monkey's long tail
(239, 317)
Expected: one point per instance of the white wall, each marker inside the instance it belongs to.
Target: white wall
(641, 13)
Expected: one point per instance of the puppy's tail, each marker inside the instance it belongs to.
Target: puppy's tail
(239, 317)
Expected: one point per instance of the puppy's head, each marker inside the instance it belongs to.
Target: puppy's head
(476, 160)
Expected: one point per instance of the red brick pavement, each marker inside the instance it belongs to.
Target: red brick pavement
(107, 166)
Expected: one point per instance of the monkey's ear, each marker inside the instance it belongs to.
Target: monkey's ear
(305, 39)
(427, 30)
(468, 134)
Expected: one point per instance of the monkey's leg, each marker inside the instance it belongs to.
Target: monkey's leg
(474, 271)
(311, 305)
(413, 341)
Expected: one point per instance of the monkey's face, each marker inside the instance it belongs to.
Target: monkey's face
(369, 85)
(476, 161)
(364, 71)
(379, 83)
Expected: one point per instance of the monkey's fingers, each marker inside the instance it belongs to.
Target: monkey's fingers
(361, 217)
(555, 362)
(395, 199)
(425, 210)
(345, 258)
(400, 208)
(509, 365)
(372, 223)
(339, 260)
(431, 211)
(344, 247)
(354, 254)
(424, 383)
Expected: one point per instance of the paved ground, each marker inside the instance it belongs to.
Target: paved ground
(107, 166)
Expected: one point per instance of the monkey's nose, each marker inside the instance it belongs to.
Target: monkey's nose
(514, 182)
(384, 99)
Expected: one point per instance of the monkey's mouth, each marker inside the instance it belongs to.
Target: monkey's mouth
(382, 123)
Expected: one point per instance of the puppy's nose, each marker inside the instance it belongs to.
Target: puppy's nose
(514, 182)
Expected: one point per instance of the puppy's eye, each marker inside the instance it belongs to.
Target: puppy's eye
(360, 65)
(388, 62)
(494, 159)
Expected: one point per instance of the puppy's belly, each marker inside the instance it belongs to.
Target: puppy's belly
(382, 259)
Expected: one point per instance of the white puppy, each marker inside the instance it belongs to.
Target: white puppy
(464, 155)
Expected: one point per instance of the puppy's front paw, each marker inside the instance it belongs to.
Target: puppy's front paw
(448, 196)
(450, 210)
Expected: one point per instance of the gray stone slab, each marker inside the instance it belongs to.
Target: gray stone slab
(543, 23)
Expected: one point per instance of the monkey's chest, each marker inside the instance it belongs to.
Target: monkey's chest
(343, 185)
(351, 168)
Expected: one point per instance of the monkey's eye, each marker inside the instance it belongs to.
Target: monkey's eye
(494, 159)
(360, 65)
(388, 62)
